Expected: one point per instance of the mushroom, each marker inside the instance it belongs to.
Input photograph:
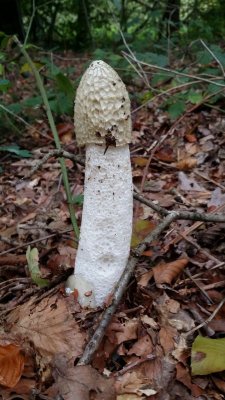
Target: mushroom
(103, 125)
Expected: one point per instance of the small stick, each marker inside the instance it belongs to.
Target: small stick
(54, 153)
(186, 215)
(210, 180)
(196, 328)
(21, 246)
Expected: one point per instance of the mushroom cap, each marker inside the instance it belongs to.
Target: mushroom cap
(102, 108)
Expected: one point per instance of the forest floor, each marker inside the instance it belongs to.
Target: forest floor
(175, 294)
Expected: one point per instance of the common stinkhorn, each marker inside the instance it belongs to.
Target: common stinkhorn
(103, 125)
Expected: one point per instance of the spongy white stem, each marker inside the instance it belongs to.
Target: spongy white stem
(106, 227)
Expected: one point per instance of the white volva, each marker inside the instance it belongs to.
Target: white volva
(102, 121)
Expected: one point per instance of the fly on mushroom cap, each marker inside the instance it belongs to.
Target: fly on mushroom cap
(102, 107)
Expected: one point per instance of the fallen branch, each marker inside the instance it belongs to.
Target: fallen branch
(186, 215)
(54, 153)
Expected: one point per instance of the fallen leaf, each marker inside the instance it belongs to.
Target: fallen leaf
(166, 273)
(166, 153)
(33, 267)
(11, 365)
(84, 383)
(207, 355)
(128, 331)
(183, 376)
(142, 347)
(140, 161)
(142, 227)
(190, 137)
(186, 164)
(167, 335)
(189, 183)
(149, 321)
(145, 278)
(50, 326)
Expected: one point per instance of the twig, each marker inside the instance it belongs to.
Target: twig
(186, 215)
(196, 225)
(31, 19)
(21, 246)
(164, 93)
(209, 180)
(214, 56)
(7, 110)
(54, 153)
(196, 328)
(205, 294)
(174, 72)
(206, 253)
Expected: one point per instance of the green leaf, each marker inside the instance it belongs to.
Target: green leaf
(2, 69)
(16, 150)
(153, 58)
(33, 101)
(195, 97)
(214, 88)
(16, 108)
(176, 109)
(61, 104)
(65, 85)
(207, 355)
(4, 84)
(26, 68)
(33, 267)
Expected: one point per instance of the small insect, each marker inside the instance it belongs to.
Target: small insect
(110, 140)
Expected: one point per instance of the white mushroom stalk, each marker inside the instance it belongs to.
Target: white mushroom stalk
(103, 124)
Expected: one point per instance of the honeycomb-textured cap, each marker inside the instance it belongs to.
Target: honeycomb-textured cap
(102, 107)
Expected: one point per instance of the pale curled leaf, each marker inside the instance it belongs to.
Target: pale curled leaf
(33, 267)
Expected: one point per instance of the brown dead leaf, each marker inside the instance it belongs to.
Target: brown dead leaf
(186, 164)
(140, 161)
(145, 278)
(220, 383)
(149, 321)
(167, 335)
(11, 364)
(128, 331)
(142, 347)
(148, 253)
(166, 273)
(49, 325)
(165, 153)
(130, 383)
(83, 383)
(190, 137)
(155, 375)
(183, 376)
